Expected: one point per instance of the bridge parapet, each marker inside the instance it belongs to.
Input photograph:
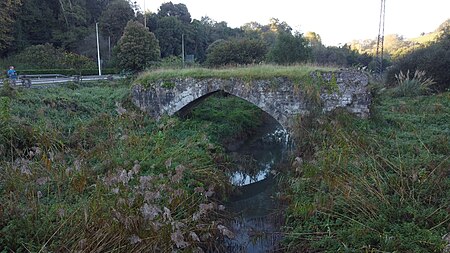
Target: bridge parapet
(282, 98)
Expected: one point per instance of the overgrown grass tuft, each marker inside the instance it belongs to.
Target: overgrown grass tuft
(409, 85)
(381, 185)
(254, 72)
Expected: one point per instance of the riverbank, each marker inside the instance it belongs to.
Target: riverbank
(82, 170)
(377, 185)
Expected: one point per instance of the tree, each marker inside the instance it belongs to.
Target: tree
(36, 21)
(169, 33)
(179, 11)
(137, 48)
(200, 41)
(289, 49)
(8, 9)
(243, 51)
(433, 58)
(313, 39)
(115, 18)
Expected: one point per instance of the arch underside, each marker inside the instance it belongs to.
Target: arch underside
(191, 99)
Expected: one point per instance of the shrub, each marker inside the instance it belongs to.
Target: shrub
(236, 52)
(137, 48)
(434, 59)
(48, 57)
(409, 86)
(289, 49)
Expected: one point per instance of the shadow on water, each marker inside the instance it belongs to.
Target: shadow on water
(256, 224)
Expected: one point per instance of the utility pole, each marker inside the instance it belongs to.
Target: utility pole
(380, 38)
(145, 18)
(182, 48)
(109, 48)
(98, 51)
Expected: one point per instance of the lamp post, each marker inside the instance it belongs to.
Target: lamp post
(98, 51)
(182, 48)
(145, 18)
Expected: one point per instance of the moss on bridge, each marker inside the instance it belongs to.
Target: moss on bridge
(256, 72)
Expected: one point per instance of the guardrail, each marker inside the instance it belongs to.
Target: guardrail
(29, 80)
(39, 76)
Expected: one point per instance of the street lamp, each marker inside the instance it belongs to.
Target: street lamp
(98, 51)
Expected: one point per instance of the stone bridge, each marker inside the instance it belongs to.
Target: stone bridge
(280, 97)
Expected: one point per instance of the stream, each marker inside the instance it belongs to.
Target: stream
(256, 222)
(256, 216)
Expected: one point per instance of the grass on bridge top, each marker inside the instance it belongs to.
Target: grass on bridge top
(254, 72)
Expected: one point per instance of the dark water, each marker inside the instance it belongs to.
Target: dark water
(256, 224)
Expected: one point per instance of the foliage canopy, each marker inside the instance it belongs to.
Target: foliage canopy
(137, 48)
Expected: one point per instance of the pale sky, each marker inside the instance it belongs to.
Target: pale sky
(335, 21)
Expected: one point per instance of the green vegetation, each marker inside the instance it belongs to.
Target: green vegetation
(236, 122)
(236, 52)
(137, 48)
(254, 72)
(412, 85)
(434, 59)
(377, 185)
(289, 49)
(48, 57)
(83, 170)
(70, 28)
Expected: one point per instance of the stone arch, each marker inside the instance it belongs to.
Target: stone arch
(280, 97)
(167, 98)
(199, 99)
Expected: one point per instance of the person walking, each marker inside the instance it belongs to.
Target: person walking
(12, 74)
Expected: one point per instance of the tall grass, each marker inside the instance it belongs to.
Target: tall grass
(254, 72)
(373, 186)
(409, 85)
(87, 172)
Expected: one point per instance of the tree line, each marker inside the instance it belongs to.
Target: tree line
(70, 25)
(133, 40)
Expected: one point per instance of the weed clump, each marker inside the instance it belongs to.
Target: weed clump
(377, 185)
(412, 85)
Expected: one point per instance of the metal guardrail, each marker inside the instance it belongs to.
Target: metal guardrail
(29, 80)
(39, 76)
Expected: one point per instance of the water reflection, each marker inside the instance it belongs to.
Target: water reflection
(256, 225)
(257, 157)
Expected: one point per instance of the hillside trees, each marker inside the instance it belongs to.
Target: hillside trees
(35, 24)
(235, 52)
(434, 59)
(114, 19)
(63, 23)
(137, 48)
(179, 11)
(48, 57)
(289, 49)
(8, 10)
(169, 33)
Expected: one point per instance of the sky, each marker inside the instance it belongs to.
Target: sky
(337, 22)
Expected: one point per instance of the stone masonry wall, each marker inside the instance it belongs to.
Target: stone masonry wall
(279, 97)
